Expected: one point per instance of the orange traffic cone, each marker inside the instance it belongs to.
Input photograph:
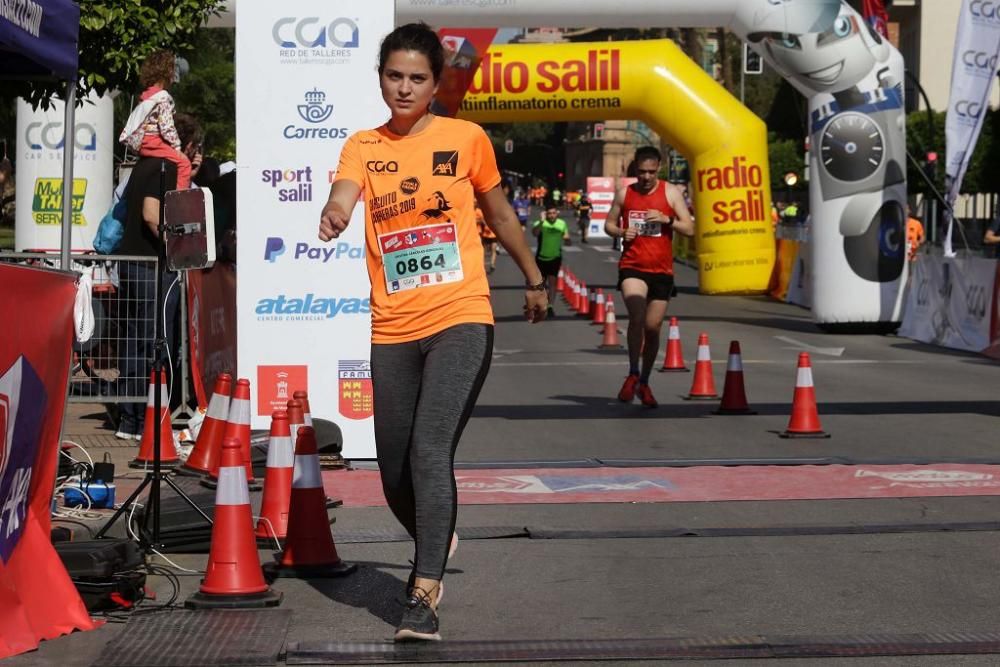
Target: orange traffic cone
(296, 419)
(303, 397)
(673, 361)
(734, 396)
(610, 328)
(233, 578)
(703, 384)
(238, 426)
(273, 523)
(584, 302)
(208, 447)
(591, 304)
(168, 453)
(560, 280)
(600, 308)
(309, 549)
(804, 422)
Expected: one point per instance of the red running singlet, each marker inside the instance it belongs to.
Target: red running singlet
(653, 250)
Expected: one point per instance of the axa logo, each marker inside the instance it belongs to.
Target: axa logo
(382, 167)
(976, 301)
(49, 136)
(310, 32)
(274, 247)
(314, 111)
(445, 163)
(309, 307)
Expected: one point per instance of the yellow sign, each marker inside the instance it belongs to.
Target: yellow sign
(652, 81)
(46, 205)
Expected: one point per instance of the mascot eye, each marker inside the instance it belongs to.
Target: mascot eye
(789, 41)
(842, 26)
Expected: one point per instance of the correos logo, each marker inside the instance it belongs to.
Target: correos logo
(314, 111)
(310, 32)
(292, 184)
(309, 307)
(274, 247)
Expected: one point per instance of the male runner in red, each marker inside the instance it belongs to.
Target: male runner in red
(645, 215)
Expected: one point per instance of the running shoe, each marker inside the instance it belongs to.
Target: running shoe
(627, 392)
(550, 312)
(420, 621)
(646, 396)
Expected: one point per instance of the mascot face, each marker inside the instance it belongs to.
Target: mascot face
(828, 61)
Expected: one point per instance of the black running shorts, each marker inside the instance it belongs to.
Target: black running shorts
(660, 286)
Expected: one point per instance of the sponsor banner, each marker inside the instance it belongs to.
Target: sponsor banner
(977, 47)
(354, 382)
(463, 52)
(602, 81)
(601, 192)
(302, 304)
(950, 302)
(211, 326)
(277, 384)
(37, 599)
(39, 188)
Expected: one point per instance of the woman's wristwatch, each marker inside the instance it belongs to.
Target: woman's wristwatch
(540, 287)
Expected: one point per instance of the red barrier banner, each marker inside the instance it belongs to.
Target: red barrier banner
(37, 599)
(211, 326)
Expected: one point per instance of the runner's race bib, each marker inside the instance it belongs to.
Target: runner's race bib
(637, 221)
(420, 257)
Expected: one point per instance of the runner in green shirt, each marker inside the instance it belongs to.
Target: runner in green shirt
(552, 233)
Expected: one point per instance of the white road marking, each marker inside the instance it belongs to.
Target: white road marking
(799, 345)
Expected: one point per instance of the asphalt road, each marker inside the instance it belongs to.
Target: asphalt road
(792, 568)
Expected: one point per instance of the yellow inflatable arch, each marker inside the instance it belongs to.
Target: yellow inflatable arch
(655, 82)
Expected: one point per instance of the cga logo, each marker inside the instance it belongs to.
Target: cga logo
(968, 108)
(984, 10)
(380, 167)
(980, 60)
(315, 111)
(309, 307)
(40, 136)
(275, 247)
(309, 32)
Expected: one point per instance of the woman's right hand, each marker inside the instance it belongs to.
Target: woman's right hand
(630, 233)
(332, 222)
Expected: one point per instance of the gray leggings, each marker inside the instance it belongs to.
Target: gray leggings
(424, 393)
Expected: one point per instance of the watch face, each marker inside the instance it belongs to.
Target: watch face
(851, 147)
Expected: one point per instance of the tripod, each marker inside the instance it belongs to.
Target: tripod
(150, 539)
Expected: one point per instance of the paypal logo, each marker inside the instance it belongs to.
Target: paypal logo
(275, 247)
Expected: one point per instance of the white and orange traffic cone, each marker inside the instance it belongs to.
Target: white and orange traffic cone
(168, 452)
(233, 577)
(610, 328)
(734, 396)
(238, 426)
(703, 384)
(208, 446)
(560, 280)
(804, 420)
(673, 360)
(296, 419)
(273, 522)
(303, 397)
(309, 550)
(599, 311)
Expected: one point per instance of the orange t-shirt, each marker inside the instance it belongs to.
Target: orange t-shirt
(424, 254)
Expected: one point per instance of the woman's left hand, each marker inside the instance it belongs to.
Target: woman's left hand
(536, 305)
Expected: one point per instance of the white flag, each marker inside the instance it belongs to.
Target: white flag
(977, 45)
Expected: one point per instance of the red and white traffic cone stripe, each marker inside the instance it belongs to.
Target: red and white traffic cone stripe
(309, 547)
(703, 383)
(233, 577)
(734, 397)
(673, 360)
(600, 308)
(275, 502)
(208, 447)
(168, 452)
(804, 420)
(303, 397)
(238, 426)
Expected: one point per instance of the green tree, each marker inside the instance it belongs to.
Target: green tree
(784, 155)
(115, 37)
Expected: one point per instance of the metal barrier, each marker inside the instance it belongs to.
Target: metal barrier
(113, 365)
